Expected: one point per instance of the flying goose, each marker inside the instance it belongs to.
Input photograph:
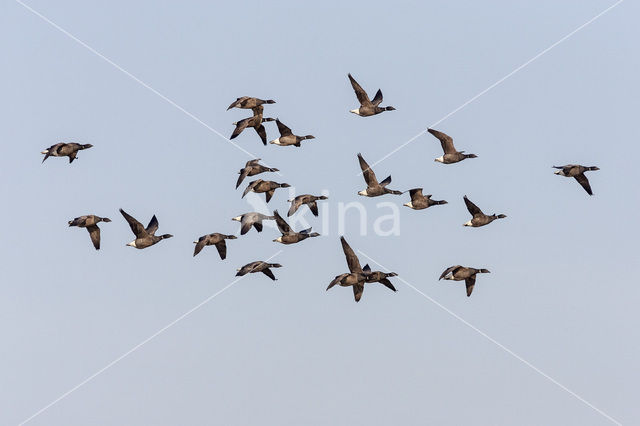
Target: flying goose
(90, 222)
(287, 137)
(459, 273)
(420, 202)
(479, 218)
(247, 102)
(253, 168)
(367, 107)
(254, 219)
(145, 237)
(357, 277)
(309, 200)
(65, 150)
(258, 266)
(267, 186)
(288, 235)
(450, 154)
(374, 189)
(379, 277)
(214, 239)
(255, 121)
(577, 171)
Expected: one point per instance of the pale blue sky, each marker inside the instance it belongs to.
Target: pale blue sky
(559, 293)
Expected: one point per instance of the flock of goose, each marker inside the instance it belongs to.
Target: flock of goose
(357, 276)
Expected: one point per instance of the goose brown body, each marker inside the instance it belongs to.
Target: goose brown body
(462, 273)
(254, 121)
(421, 202)
(306, 199)
(379, 277)
(288, 235)
(287, 137)
(90, 222)
(358, 276)
(451, 155)
(577, 171)
(145, 237)
(250, 219)
(374, 188)
(479, 218)
(259, 266)
(65, 150)
(247, 102)
(267, 187)
(367, 107)
(252, 168)
(215, 239)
